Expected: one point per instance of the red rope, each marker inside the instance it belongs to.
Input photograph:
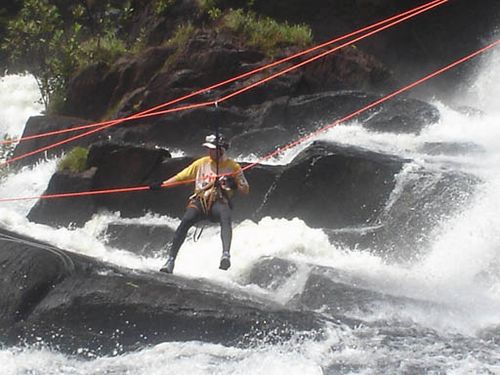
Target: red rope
(283, 148)
(223, 83)
(229, 96)
(370, 106)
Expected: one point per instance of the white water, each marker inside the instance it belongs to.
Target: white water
(460, 271)
(20, 100)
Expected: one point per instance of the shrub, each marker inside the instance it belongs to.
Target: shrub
(179, 40)
(181, 35)
(107, 49)
(206, 5)
(162, 6)
(265, 33)
(75, 161)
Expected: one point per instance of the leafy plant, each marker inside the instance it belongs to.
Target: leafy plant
(162, 6)
(214, 13)
(107, 48)
(206, 5)
(37, 41)
(75, 161)
(179, 40)
(265, 33)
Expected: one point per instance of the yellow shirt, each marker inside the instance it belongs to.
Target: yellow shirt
(204, 171)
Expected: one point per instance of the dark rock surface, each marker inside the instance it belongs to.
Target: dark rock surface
(422, 201)
(362, 182)
(332, 291)
(333, 186)
(49, 123)
(257, 129)
(77, 304)
(66, 211)
(145, 240)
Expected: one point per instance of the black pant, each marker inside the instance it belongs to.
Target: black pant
(220, 212)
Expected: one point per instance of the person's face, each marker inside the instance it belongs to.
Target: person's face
(212, 152)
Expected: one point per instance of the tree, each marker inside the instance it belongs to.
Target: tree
(37, 41)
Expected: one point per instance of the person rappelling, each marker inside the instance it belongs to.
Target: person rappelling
(216, 179)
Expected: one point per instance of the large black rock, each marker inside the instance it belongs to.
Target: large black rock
(333, 186)
(79, 304)
(119, 166)
(50, 123)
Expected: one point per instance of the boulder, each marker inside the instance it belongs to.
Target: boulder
(333, 186)
(119, 166)
(49, 123)
(70, 211)
(83, 306)
(140, 239)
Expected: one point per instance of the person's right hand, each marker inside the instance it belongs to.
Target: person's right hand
(156, 185)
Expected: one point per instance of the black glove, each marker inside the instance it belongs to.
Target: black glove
(228, 183)
(156, 185)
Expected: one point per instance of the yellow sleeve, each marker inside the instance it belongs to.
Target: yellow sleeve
(189, 173)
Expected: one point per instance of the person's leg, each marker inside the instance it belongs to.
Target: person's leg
(222, 213)
(191, 217)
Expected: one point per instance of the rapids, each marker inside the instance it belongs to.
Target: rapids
(455, 331)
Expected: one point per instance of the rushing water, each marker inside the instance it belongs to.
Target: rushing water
(456, 332)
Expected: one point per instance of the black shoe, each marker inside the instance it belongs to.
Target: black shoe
(169, 266)
(225, 262)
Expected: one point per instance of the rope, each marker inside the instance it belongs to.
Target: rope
(288, 146)
(223, 83)
(231, 95)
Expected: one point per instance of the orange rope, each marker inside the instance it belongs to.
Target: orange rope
(229, 96)
(286, 147)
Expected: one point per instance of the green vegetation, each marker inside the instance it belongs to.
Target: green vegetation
(181, 35)
(179, 40)
(52, 39)
(107, 48)
(161, 7)
(265, 33)
(75, 161)
(207, 5)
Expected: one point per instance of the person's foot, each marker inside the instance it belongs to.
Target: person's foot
(225, 261)
(169, 266)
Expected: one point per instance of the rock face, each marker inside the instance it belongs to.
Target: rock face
(74, 302)
(335, 292)
(144, 240)
(257, 129)
(333, 186)
(50, 123)
(327, 185)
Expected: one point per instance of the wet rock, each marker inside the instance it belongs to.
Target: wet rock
(442, 148)
(119, 166)
(412, 217)
(49, 123)
(271, 273)
(403, 116)
(71, 211)
(332, 186)
(72, 302)
(140, 239)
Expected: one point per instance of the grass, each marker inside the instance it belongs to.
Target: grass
(161, 7)
(74, 161)
(264, 33)
(107, 48)
(179, 41)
